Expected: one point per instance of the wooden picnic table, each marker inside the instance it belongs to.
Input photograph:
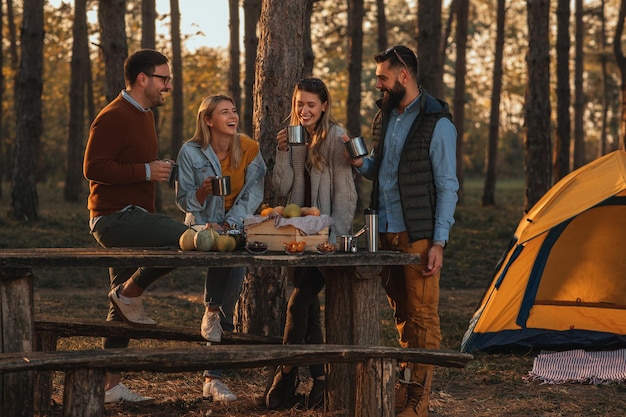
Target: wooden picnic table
(352, 296)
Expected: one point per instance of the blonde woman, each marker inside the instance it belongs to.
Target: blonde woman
(218, 149)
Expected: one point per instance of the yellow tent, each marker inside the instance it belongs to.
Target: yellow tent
(562, 282)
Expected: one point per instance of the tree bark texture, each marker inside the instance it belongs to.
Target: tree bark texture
(16, 298)
(28, 87)
(381, 20)
(177, 83)
(234, 74)
(489, 190)
(621, 63)
(111, 18)
(537, 112)
(356, 12)
(579, 93)
(563, 119)
(77, 132)
(458, 114)
(430, 73)
(252, 12)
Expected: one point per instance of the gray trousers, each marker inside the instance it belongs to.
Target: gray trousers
(135, 228)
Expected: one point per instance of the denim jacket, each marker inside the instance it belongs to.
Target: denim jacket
(194, 165)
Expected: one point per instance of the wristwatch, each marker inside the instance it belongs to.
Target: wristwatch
(441, 243)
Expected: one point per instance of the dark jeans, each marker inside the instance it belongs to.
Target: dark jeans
(135, 228)
(304, 325)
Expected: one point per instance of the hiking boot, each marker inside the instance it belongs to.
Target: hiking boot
(416, 402)
(121, 393)
(283, 390)
(403, 378)
(211, 329)
(216, 390)
(316, 396)
(133, 313)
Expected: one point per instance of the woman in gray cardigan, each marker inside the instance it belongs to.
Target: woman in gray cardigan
(316, 175)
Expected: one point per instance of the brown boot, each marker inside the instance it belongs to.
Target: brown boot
(403, 378)
(418, 392)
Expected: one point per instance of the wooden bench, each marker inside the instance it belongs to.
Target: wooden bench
(48, 331)
(85, 370)
(351, 306)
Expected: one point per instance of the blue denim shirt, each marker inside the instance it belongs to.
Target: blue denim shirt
(442, 153)
(194, 165)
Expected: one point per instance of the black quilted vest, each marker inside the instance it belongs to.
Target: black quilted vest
(415, 174)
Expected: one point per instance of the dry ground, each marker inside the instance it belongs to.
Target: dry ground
(490, 386)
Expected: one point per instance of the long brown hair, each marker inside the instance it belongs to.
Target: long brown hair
(323, 125)
(203, 136)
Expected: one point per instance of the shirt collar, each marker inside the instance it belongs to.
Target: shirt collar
(132, 101)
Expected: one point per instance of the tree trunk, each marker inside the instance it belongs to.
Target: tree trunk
(606, 99)
(579, 99)
(621, 63)
(458, 114)
(261, 307)
(234, 83)
(489, 190)
(148, 26)
(111, 18)
(309, 56)
(77, 133)
(3, 149)
(29, 86)
(381, 30)
(537, 113)
(563, 122)
(430, 74)
(178, 105)
(252, 11)
(356, 13)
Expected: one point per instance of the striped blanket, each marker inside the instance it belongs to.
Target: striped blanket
(597, 367)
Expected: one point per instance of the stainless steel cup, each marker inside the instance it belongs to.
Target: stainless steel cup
(356, 147)
(221, 185)
(346, 243)
(296, 135)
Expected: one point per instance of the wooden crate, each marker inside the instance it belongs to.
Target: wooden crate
(275, 237)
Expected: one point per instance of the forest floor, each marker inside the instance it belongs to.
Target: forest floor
(490, 386)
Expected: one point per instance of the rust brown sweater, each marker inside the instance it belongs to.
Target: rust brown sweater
(122, 139)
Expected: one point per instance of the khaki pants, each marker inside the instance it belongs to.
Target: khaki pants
(415, 301)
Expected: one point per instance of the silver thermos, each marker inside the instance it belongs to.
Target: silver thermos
(371, 228)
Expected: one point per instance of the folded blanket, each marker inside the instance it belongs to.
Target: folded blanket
(309, 225)
(596, 367)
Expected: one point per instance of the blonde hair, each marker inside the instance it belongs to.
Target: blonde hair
(203, 136)
(323, 125)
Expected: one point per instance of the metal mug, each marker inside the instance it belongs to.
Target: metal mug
(173, 172)
(346, 243)
(296, 135)
(221, 185)
(356, 147)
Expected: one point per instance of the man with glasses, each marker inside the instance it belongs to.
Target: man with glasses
(413, 169)
(122, 167)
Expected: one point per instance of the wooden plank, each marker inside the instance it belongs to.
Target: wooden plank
(16, 330)
(181, 359)
(64, 327)
(172, 257)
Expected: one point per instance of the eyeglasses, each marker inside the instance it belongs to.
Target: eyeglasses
(388, 51)
(166, 78)
(310, 83)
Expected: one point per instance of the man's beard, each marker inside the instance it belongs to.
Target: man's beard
(394, 96)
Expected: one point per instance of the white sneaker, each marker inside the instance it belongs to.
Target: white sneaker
(133, 313)
(211, 329)
(121, 393)
(216, 390)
